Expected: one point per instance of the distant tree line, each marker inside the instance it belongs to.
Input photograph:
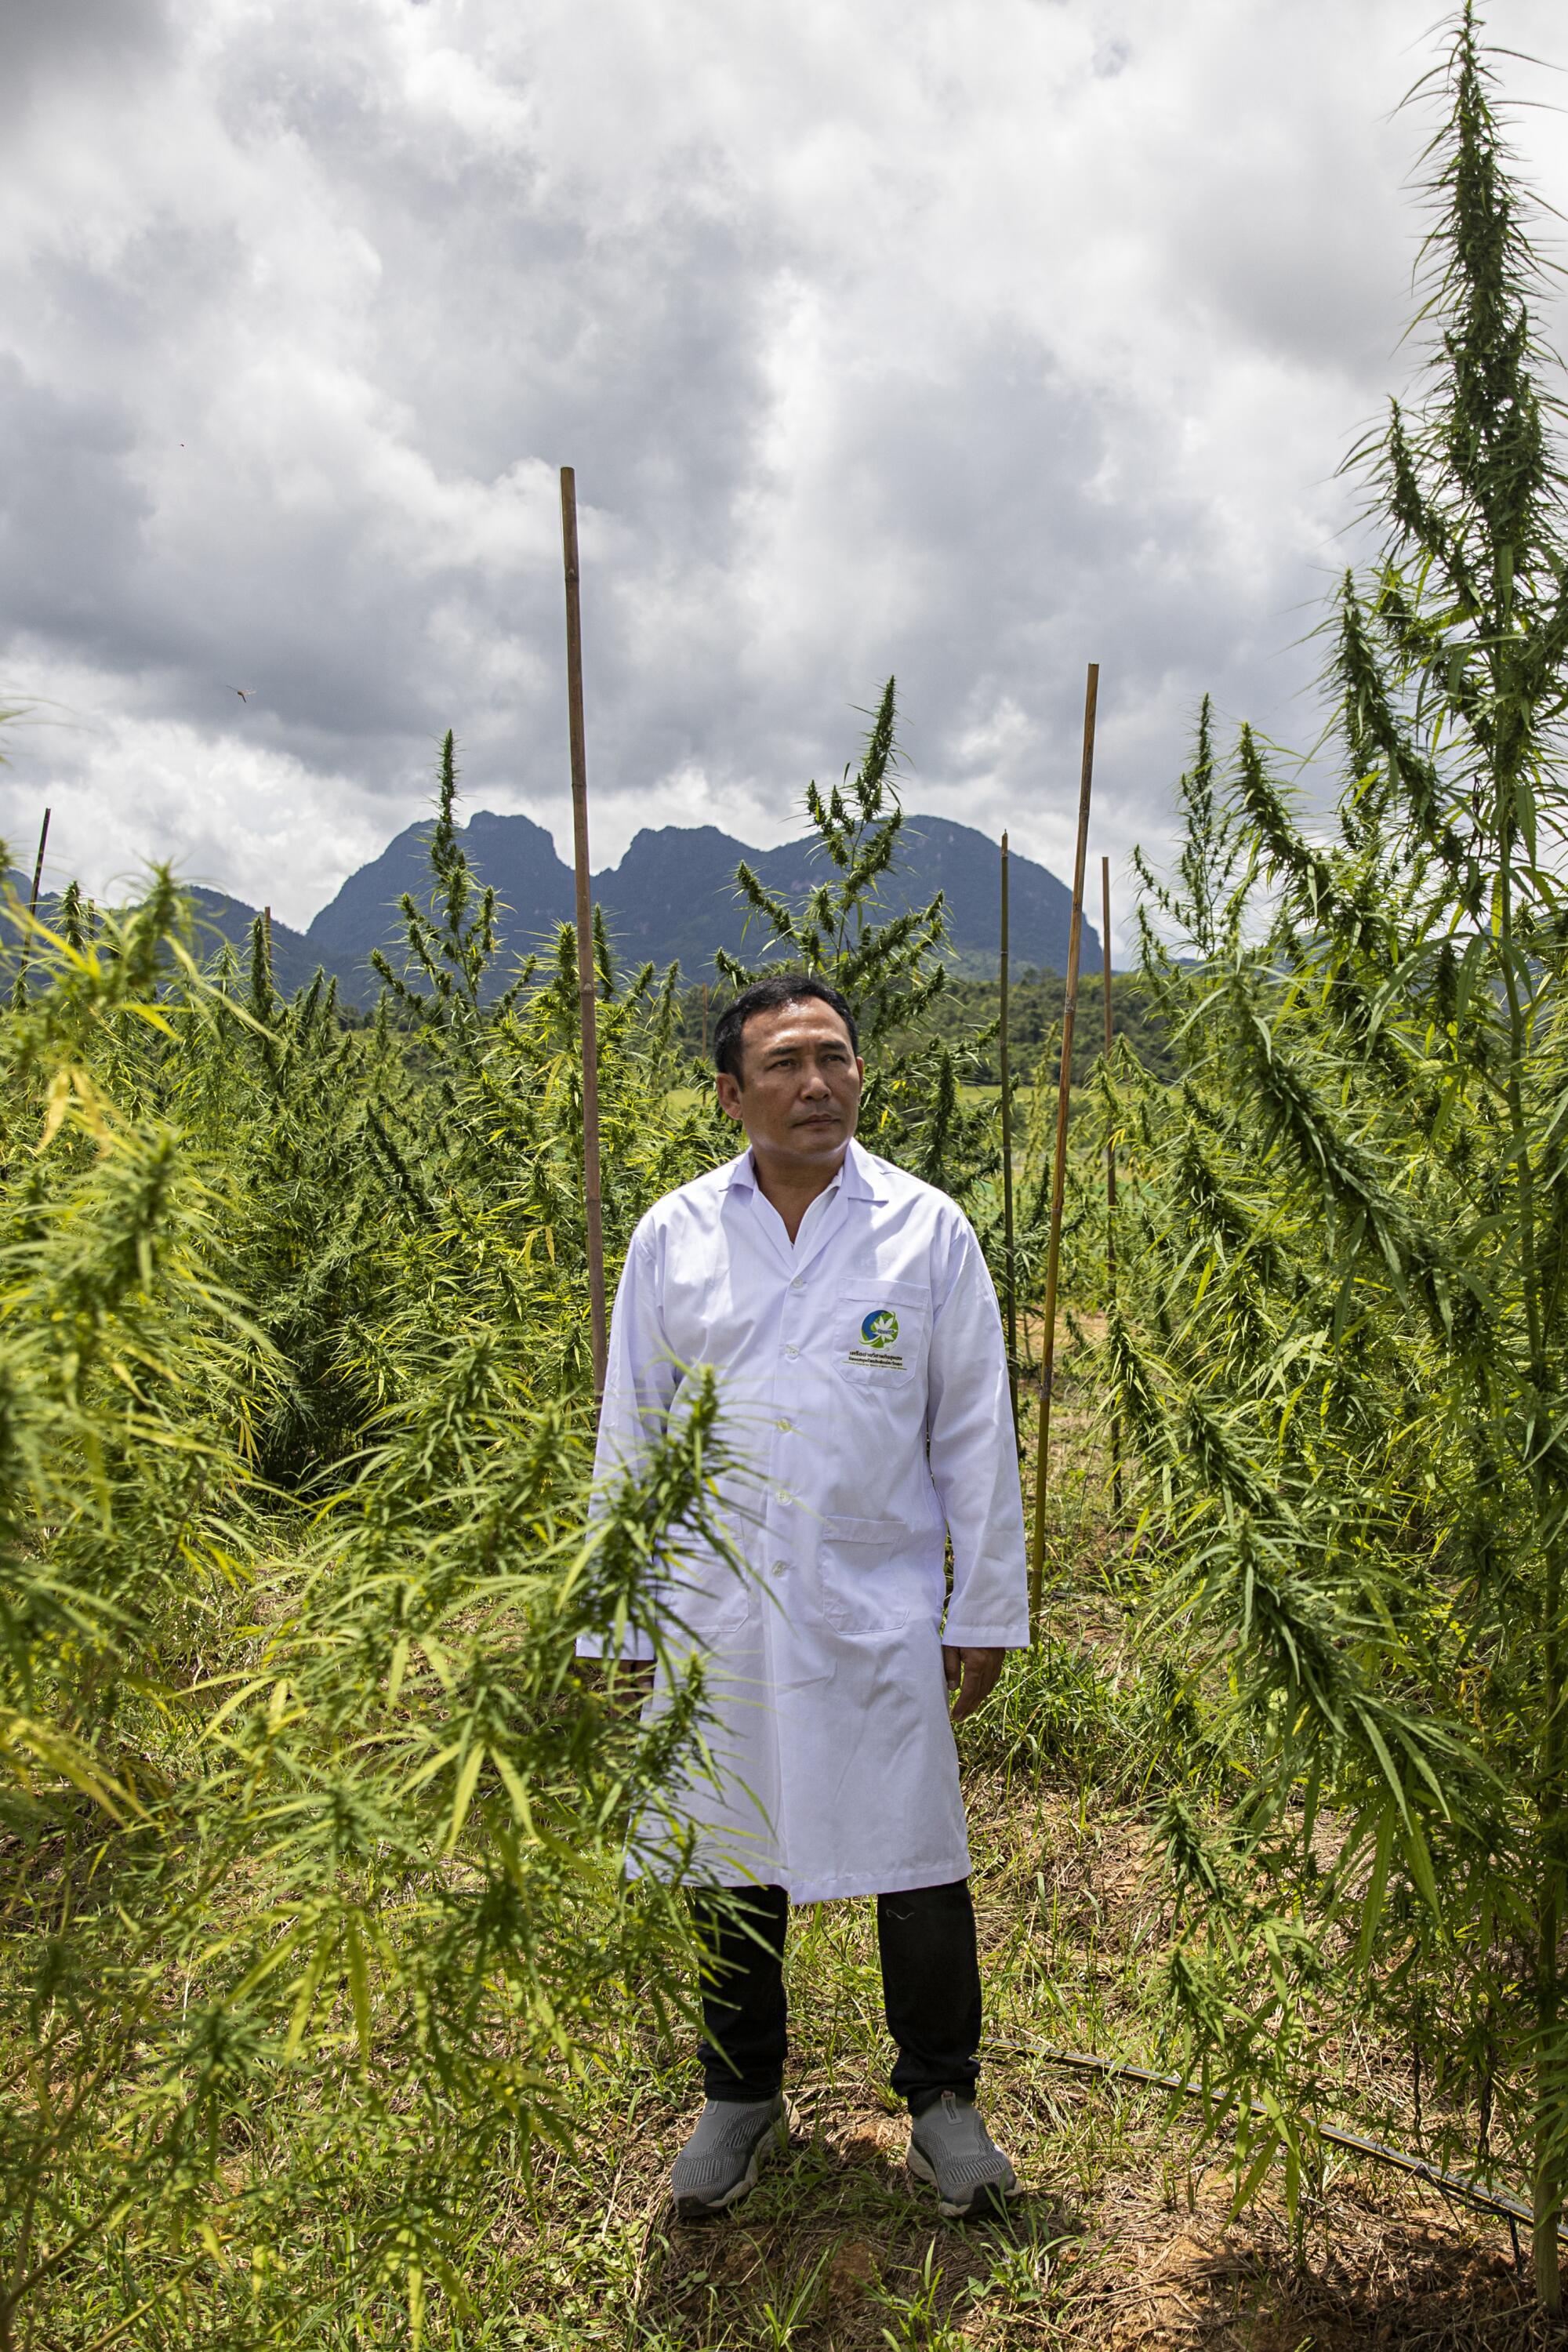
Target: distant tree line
(963, 1015)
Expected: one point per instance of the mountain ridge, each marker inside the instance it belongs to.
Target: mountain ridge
(670, 897)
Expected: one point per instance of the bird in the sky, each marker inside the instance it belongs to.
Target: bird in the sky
(244, 692)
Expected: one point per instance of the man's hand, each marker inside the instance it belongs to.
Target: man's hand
(973, 1674)
(633, 1676)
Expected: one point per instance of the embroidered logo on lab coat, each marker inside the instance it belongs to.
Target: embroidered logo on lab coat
(879, 1334)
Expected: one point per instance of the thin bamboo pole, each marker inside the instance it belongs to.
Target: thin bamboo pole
(39, 864)
(1058, 1173)
(585, 989)
(1109, 1171)
(1009, 1260)
(266, 940)
(18, 993)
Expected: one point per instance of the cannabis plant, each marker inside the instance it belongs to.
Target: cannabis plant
(1346, 1242)
(311, 1831)
(889, 966)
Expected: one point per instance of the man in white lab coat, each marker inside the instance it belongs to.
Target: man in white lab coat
(850, 1317)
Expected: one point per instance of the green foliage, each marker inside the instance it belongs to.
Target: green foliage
(928, 1040)
(305, 1808)
(889, 971)
(1340, 1345)
(1036, 1000)
(965, 1017)
(452, 941)
(311, 1827)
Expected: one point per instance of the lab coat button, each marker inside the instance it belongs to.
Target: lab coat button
(792, 1351)
(784, 1425)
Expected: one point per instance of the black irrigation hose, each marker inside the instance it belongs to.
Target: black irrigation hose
(1512, 2209)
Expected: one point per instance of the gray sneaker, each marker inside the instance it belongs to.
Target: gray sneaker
(951, 2150)
(719, 2163)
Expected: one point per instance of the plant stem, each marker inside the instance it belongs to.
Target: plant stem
(1058, 1172)
(1010, 1268)
(1551, 1798)
(1109, 1174)
(585, 983)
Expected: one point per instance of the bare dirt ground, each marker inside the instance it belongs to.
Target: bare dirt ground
(1124, 2238)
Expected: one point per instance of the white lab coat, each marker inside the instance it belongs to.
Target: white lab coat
(863, 1378)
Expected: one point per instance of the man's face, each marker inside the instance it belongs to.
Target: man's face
(803, 1079)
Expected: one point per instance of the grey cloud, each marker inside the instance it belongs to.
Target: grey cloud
(92, 39)
(70, 516)
(382, 272)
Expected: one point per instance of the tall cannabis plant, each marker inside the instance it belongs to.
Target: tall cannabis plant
(887, 965)
(1342, 1339)
(311, 1831)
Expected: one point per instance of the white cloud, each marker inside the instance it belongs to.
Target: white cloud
(971, 341)
(216, 801)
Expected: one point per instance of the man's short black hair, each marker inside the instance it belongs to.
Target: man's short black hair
(771, 995)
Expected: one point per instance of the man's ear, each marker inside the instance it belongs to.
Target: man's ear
(729, 1090)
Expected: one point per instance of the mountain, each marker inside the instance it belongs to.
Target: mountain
(672, 897)
(936, 854)
(513, 852)
(293, 964)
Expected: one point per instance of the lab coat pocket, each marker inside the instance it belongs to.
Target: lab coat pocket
(866, 1575)
(881, 1334)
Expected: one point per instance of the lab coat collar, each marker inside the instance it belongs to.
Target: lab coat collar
(824, 1218)
(859, 1179)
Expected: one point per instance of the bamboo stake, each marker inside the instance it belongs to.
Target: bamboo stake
(1109, 1174)
(1009, 1262)
(585, 991)
(18, 993)
(1058, 1173)
(39, 864)
(266, 940)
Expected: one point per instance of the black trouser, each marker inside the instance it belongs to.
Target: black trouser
(931, 1990)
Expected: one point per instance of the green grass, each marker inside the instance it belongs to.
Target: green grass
(1123, 2231)
(836, 2248)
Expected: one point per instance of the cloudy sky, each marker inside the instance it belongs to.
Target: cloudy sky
(971, 341)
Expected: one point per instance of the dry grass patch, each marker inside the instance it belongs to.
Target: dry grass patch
(1124, 2238)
